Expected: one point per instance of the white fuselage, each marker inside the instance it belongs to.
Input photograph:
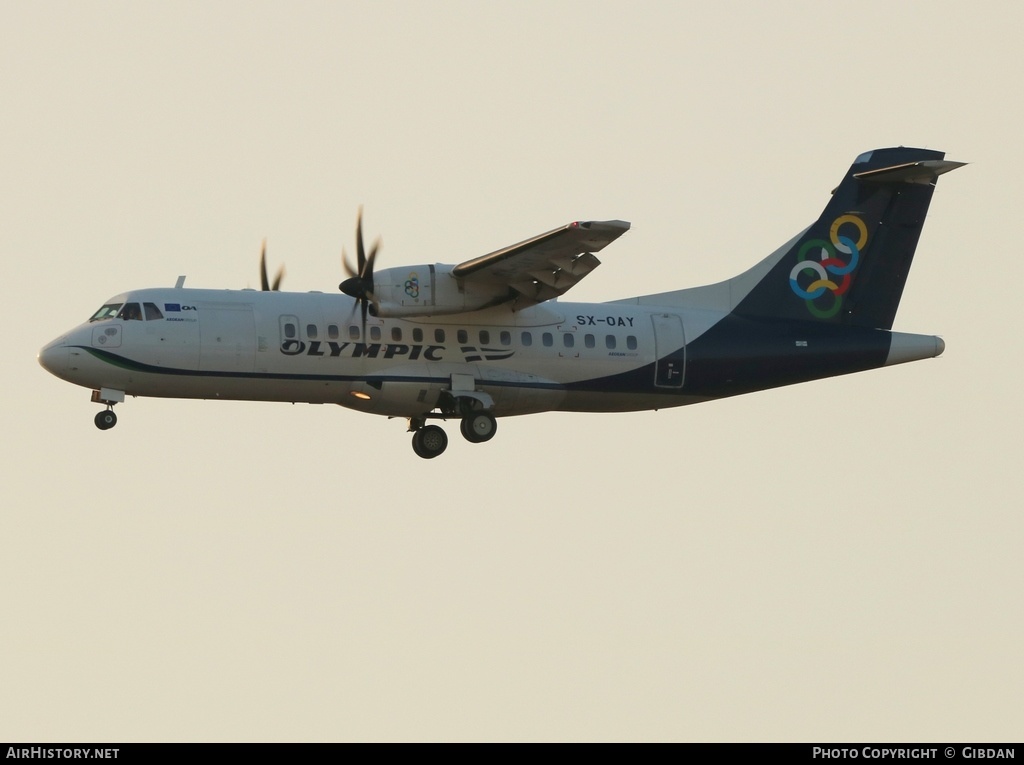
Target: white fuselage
(309, 347)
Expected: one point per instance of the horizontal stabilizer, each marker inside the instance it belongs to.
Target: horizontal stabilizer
(925, 171)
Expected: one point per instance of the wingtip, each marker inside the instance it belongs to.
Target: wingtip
(602, 225)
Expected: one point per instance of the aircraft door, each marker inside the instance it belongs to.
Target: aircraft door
(670, 351)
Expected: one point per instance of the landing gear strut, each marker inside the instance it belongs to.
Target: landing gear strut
(106, 419)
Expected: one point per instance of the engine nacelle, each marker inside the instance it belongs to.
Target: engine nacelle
(431, 290)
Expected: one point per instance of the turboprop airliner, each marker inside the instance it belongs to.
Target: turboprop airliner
(490, 337)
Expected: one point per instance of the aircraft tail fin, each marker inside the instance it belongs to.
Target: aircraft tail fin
(850, 266)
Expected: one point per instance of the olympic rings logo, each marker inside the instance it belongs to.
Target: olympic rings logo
(412, 285)
(825, 271)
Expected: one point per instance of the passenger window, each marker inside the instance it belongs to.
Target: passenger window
(547, 339)
(375, 333)
(609, 342)
(527, 339)
(332, 331)
(462, 336)
(438, 335)
(589, 341)
(485, 337)
(417, 335)
(311, 331)
(353, 332)
(396, 334)
(289, 330)
(631, 343)
(131, 312)
(506, 338)
(569, 340)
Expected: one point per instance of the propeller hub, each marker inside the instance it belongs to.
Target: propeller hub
(357, 287)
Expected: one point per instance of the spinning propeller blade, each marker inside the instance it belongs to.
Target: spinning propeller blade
(359, 285)
(265, 285)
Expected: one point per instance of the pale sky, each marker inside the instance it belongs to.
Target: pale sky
(838, 560)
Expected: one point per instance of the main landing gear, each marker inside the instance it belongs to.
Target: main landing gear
(429, 441)
(479, 427)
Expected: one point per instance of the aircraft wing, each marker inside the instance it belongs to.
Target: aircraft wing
(545, 266)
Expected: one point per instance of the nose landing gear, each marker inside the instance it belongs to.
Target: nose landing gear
(106, 419)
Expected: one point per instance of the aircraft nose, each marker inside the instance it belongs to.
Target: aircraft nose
(54, 357)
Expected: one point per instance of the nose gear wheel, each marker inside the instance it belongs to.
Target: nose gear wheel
(106, 419)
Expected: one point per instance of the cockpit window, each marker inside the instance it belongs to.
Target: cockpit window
(109, 311)
(130, 312)
(152, 312)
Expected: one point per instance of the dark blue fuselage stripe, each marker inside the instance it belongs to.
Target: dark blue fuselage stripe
(599, 384)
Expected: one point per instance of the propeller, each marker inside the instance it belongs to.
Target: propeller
(359, 285)
(265, 285)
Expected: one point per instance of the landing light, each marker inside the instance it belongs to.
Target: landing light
(360, 395)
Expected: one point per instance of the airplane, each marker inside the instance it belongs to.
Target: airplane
(490, 337)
